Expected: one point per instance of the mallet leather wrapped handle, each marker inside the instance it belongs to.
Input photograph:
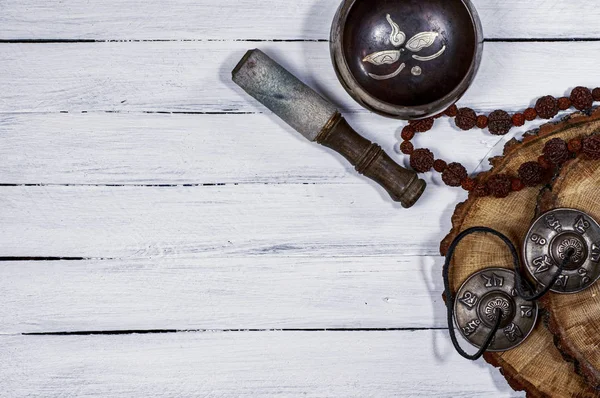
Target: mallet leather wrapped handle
(318, 120)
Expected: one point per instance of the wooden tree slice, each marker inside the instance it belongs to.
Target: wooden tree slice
(536, 366)
(575, 318)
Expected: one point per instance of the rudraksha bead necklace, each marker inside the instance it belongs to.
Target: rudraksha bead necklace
(530, 174)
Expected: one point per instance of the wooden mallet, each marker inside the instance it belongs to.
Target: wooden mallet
(318, 120)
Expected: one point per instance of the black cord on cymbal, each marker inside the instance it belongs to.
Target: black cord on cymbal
(521, 286)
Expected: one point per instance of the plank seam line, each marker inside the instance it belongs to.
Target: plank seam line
(224, 112)
(171, 331)
(126, 112)
(185, 185)
(541, 40)
(76, 41)
(220, 184)
(39, 258)
(250, 255)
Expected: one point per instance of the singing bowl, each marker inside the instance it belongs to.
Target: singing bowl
(406, 59)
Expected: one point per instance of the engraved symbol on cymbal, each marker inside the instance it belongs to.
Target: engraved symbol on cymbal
(513, 332)
(585, 279)
(485, 296)
(542, 264)
(469, 299)
(553, 223)
(415, 44)
(581, 225)
(471, 327)
(595, 256)
(567, 234)
(538, 239)
(562, 281)
(493, 281)
(526, 311)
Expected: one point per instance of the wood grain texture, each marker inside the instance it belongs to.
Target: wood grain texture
(155, 149)
(258, 364)
(273, 292)
(536, 365)
(270, 19)
(196, 76)
(268, 253)
(574, 317)
(220, 221)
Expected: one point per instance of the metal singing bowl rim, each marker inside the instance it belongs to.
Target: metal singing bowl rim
(387, 109)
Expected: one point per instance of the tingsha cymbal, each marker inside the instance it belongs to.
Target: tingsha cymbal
(555, 235)
(477, 302)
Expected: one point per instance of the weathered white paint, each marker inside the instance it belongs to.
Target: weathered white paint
(196, 76)
(269, 253)
(244, 220)
(273, 292)
(256, 364)
(267, 19)
(104, 148)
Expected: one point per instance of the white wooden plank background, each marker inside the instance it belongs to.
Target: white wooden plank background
(196, 76)
(106, 148)
(142, 192)
(222, 293)
(126, 222)
(266, 20)
(263, 364)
